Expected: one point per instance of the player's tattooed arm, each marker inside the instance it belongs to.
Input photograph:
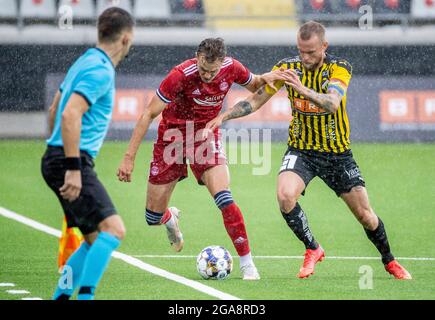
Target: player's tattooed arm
(268, 78)
(243, 108)
(240, 109)
(328, 101)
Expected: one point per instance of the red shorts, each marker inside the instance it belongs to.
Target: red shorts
(170, 159)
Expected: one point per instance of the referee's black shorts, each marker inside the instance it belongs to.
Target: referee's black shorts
(338, 170)
(92, 206)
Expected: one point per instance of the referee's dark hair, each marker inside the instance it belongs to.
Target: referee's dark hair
(213, 49)
(112, 22)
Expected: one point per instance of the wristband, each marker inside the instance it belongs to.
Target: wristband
(72, 163)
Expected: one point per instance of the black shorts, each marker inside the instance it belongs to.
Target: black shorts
(92, 206)
(338, 170)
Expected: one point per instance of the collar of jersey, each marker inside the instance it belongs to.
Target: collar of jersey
(106, 55)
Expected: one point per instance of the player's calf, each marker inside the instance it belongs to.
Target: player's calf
(97, 260)
(379, 238)
(233, 221)
(235, 226)
(298, 223)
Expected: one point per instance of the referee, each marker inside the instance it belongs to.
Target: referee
(318, 143)
(79, 119)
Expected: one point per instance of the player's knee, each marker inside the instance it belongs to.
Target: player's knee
(117, 230)
(287, 199)
(114, 226)
(120, 232)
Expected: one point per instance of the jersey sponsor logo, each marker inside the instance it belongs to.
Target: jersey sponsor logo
(196, 92)
(210, 101)
(306, 106)
(223, 86)
(207, 103)
(353, 173)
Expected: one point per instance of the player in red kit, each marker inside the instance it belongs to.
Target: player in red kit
(191, 95)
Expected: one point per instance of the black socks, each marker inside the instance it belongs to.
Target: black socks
(380, 240)
(297, 221)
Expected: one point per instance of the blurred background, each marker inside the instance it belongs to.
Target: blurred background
(390, 43)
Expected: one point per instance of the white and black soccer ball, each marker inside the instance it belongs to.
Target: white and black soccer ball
(214, 262)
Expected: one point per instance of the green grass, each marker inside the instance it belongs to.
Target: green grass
(400, 182)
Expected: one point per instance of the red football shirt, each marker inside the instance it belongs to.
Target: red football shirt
(191, 99)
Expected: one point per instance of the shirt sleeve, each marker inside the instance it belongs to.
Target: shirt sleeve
(340, 77)
(94, 84)
(241, 73)
(171, 86)
(278, 84)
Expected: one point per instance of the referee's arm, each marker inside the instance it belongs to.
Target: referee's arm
(52, 111)
(71, 126)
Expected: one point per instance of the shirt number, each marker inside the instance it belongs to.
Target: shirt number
(288, 162)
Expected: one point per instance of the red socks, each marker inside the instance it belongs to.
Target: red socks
(233, 221)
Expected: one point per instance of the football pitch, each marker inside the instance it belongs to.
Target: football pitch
(399, 178)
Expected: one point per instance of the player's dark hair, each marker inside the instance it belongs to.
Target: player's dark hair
(213, 49)
(310, 28)
(112, 22)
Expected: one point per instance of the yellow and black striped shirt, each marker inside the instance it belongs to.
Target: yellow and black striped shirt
(311, 127)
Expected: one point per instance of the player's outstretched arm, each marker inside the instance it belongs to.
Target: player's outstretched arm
(52, 111)
(243, 108)
(268, 78)
(328, 101)
(71, 127)
(154, 108)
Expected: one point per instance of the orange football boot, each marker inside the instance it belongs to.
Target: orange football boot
(311, 258)
(397, 271)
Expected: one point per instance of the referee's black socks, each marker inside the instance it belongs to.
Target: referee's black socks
(380, 240)
(297, 221)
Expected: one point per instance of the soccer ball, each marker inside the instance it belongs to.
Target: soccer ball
(214, 262)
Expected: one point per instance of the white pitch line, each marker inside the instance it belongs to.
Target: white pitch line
(17, 291)
(126, 258)
(7, 284)
(29, 222)
(285, 257)
(31, 298)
